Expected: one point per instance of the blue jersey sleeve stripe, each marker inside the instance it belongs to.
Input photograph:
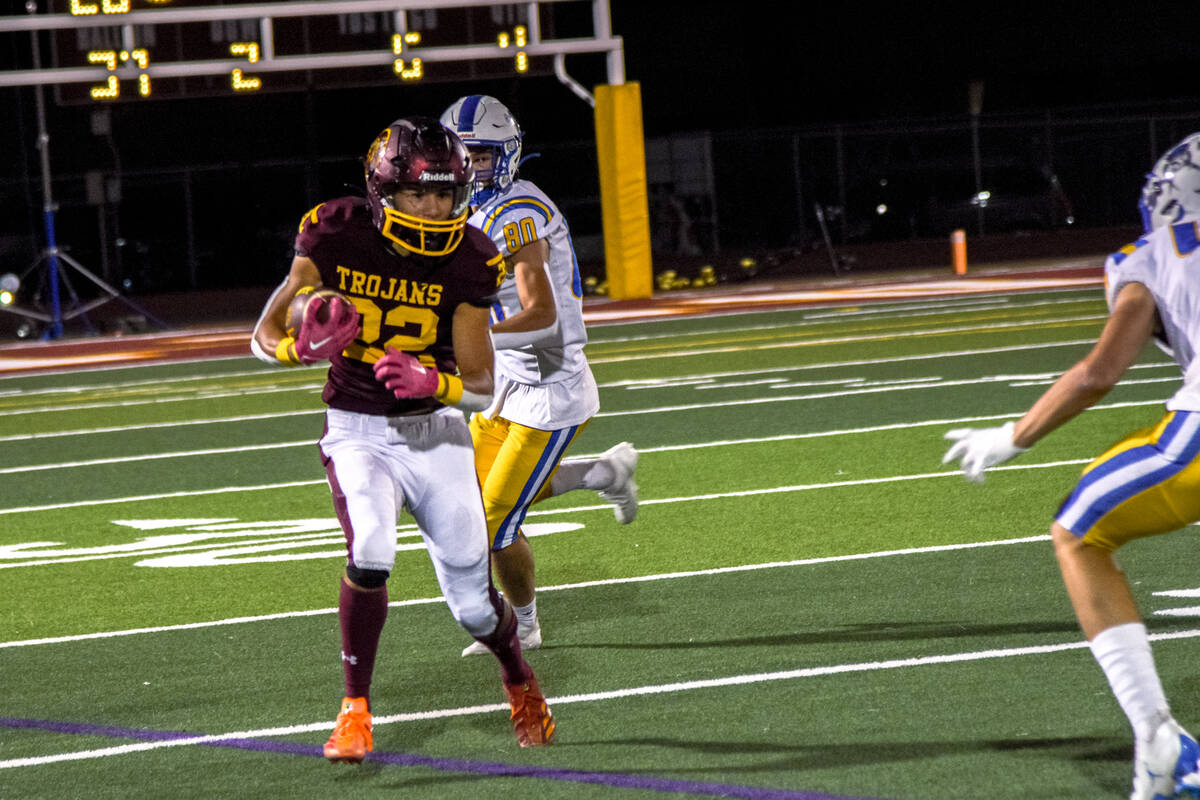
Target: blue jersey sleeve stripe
(516, 204)
(1127, 251)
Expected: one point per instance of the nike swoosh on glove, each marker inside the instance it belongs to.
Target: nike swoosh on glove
(405, 376)
(318, 340)
(980, 448)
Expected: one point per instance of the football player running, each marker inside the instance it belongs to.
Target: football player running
(395, 435)
(545, 393)
(1146, 484)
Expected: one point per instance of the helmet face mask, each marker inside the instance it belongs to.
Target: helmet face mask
(417, 153)
(1172, 190)
(484, 123)
(421, 235)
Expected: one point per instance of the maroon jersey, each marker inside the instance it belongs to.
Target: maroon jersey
(406, 301)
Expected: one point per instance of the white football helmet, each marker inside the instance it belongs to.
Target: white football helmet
(1172, 191)
(484, 122)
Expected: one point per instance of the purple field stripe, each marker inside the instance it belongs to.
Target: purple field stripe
(86, 729)
(613, 779)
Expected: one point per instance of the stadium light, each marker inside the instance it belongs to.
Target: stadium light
(9, 283)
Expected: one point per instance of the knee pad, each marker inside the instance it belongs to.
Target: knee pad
(367, 578)
(478, 614)
(506, 621)
(478, 619)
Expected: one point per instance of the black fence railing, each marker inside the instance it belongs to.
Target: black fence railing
(157, 219)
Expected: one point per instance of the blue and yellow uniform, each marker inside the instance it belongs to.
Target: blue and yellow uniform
(1149, 482)
(545, 393)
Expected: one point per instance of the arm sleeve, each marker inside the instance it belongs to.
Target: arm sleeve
(517, 339)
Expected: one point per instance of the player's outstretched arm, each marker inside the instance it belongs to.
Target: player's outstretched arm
(537, 322)
(1129, 328)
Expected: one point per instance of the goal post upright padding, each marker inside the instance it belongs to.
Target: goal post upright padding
(621, 152)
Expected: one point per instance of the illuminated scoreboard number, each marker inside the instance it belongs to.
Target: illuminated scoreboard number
(241, 81)
(112, 59)
(136, 56)
(519, 38)
(111, 89)
(415, 70)
(110, 47)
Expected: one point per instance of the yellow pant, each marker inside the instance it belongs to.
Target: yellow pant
(514, 464)
(1146, 484)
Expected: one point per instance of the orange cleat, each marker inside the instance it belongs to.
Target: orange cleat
(351, 739)
(531, 718)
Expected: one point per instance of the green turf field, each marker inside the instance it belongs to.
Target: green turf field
(809, 605)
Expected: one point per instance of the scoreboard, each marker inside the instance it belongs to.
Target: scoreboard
(105, 51)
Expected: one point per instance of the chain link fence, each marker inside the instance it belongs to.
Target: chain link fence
(181, 223)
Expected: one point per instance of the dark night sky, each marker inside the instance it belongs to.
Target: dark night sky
(702, 66)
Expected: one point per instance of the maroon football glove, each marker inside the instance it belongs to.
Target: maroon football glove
(329, 326)
(404, 375)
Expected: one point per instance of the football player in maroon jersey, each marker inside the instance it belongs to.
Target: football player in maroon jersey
(410, 356)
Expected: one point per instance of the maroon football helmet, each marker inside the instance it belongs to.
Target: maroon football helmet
(418, 152)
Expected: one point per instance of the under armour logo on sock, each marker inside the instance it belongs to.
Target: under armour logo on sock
(352, 659)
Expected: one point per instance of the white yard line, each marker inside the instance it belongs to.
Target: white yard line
(22, 437)
(615, 384)
(93, 462)
(314, 388)
(156, 384)
(591, 697)
(580, 585)
(643, 354)
(162, 496)
(658, 410)
(774, 490)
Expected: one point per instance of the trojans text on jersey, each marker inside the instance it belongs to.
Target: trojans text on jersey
(363, 284)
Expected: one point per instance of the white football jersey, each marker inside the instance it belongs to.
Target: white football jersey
(514, 218)
(1167, 262)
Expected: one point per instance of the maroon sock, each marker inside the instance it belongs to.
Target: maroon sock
(361, 614)
(505, 645)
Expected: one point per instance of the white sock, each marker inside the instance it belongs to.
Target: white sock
(599, 476)
(1123, 652)
(526, 615)
(572, 475)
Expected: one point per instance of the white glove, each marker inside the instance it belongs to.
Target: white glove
(980, 448)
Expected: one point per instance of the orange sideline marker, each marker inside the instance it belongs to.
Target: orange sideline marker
(958, 251)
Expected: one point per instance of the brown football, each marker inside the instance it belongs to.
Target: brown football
(295, 310)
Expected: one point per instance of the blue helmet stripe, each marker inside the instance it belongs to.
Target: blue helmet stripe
(466, 114)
